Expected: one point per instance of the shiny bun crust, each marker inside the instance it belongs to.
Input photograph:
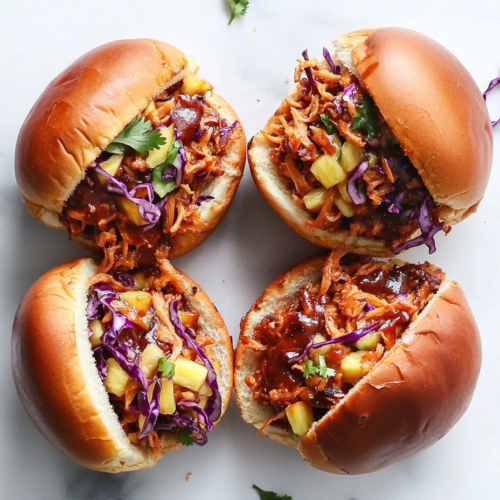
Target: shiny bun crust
(434, 109)
(88, 105)
(410, 400)
(57, 379)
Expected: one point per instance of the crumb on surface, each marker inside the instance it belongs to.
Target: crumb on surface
(258, 100)
(188, 475)
(287, 80)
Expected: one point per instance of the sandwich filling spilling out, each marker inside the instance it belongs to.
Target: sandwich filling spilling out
(158, 369)
(344, 164)
(316, 348)
(148, 185)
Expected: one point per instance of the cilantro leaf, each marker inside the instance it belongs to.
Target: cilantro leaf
(329, 126)
(311, 369)
(166, 367)
(324, 371)
(270, 495)
(366, 118)
(238, 8)
(172, 152)
(161, 187)
(139, 136)
(185, 437)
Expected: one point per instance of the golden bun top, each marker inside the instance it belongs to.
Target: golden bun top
(435, 109)
(83, 110)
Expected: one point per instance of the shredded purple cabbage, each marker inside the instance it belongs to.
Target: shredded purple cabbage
(368, 307)
(309, 72)
(349, 91)
(350, 338)
(214, 404)
(122, 277)
(202, 415)
(201, 199)
(101, 298)
(491, 86)
(152, 411)
(226, 130)
(148, 211)
(329, 60)
(171, 422)
(427, 229)
(357, 196)
(175, 171)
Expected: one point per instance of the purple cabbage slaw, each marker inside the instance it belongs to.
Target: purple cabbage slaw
(329, 60)
(394, 202)
(201, 199)
(213, 408)
(147, 209)
(491, 86)
(350, 338)
(357, 196)
(101, 297)
(348, 92)
(309, 73)
(427, 229)
(175, 170)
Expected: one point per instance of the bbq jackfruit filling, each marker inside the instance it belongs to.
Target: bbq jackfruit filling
(313, 350)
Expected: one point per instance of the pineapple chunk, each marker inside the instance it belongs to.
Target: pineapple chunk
(314, 200)
(204, 393)
(142, 281)
(149, 108)
(149, 359)
(140, 301)
(347, 209)
(157, 156)
(328, 171)
(352, 367)
(351, 157)
(111, 166)
(315, 353)
(189, 318)
(368, 342)
(117, 378)
(130, 208)
(189, 374)
(342, 186)
(338, 144)
(167, 400)
(301, 417)
(194, 85)
(98, 329)
(372, 160)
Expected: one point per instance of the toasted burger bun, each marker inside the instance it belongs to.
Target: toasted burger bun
(407, 402)
(56, 376)
(88, 105)
(433, 107)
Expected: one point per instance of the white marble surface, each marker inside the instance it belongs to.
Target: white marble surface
(248, 63)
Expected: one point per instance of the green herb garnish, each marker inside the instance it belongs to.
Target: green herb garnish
(270, 495)
(139, 136)
(166, 367)
(329, 126)
(238, 8)
(185, 437)
(366, 118)
(161, 187)
(310, 368)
